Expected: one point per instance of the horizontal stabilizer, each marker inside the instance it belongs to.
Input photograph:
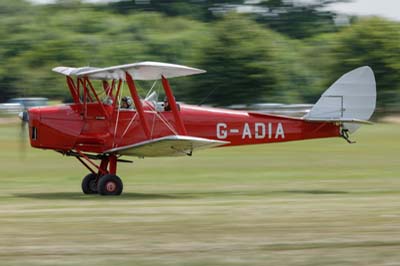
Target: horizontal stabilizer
(138, 71)
(343, 120)
(173, 145)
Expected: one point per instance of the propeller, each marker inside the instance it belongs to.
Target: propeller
(23, 133)
(27, 103)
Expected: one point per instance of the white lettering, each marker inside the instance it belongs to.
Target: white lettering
(269, 130)
(279, 131)
(259, 130)
(221, 131)
(246, 131)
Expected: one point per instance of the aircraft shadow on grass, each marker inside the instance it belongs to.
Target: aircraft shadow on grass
(172, 196)
(80, 196)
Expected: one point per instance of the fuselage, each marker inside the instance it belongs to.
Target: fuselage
(91, 129)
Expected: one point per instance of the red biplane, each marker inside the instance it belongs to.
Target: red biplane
(103, 125)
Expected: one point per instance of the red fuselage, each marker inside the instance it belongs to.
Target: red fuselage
(98, 127)
(69, 127)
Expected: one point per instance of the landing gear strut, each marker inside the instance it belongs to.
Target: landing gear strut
(105, 181)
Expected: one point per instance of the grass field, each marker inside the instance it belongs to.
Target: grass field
(320, 202)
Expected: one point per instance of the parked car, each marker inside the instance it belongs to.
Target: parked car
(10, 108)
(29, 102)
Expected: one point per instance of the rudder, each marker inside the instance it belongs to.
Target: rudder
(351, 100)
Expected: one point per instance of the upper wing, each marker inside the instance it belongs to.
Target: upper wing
(173, 145)
(73, 71)
(139, 71)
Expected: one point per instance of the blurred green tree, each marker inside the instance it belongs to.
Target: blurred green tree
(41, 37)
(246, 63)
(374, 42)
(200, 10)
(293, 18)
(249, 56)
(296, 19)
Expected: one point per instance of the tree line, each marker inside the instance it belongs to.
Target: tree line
(253, 51)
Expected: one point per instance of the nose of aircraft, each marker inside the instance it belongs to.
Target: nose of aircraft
(33, 117)
(54, 127)
(21, 115)
(24, 116)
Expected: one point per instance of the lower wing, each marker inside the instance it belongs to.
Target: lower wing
(174, 145)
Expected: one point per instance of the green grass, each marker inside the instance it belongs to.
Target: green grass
(320, 202)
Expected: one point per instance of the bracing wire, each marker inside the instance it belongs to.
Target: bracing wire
(153, 108)
(151, 89)
(208, 95)
(134, 117)
(129, 125)
(119, 104)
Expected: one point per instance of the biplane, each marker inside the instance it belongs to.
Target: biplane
(102, 126)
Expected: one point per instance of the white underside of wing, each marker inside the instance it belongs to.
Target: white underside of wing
(173, 145)
(73, 71)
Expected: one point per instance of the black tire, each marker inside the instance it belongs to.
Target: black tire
(89, 185)
(110, 185)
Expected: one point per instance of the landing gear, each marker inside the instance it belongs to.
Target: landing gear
(104, 181)
(107, 185)
(110, 185)
(89, 184)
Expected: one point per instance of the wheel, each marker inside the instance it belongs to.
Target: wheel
(110, 185)
(89, 184)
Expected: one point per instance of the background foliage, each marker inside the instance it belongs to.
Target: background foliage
(254, 51)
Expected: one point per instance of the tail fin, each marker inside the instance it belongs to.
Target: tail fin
(350, 100)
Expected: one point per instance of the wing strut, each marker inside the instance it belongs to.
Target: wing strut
(96, 96)
(171, 99)
(138, 104)
(73, 90)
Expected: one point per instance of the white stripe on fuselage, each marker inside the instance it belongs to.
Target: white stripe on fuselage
(215, 110)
